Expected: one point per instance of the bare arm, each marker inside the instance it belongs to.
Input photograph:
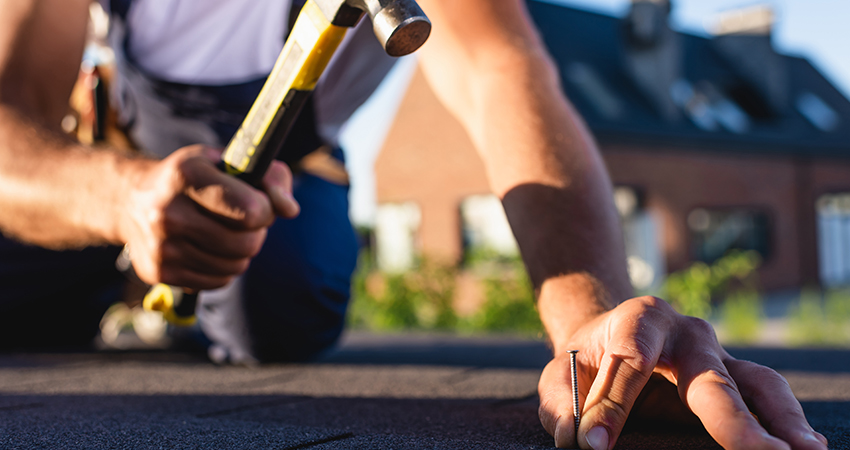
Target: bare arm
(541, 160)
(187, 224)
(39, 61)
(488, 66)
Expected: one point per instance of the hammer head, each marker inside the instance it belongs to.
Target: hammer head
(400, 25)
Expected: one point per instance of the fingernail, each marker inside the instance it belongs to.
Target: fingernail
(815, 438)
(597, 438)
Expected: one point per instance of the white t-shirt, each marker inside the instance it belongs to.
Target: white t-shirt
(222, 42)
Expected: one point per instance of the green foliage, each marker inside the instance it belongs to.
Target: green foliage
(486, 258)
(806, 322)
(692, 291)
(400, 305)
(509, 304)
(689, 291)
(422, 299)
(363, 307)
(741, 316)
(817, 322)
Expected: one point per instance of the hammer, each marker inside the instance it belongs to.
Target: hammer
(400, 26)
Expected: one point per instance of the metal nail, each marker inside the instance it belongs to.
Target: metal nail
(576, 411)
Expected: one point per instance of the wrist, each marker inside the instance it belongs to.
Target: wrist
(568, 302)
(130, 175)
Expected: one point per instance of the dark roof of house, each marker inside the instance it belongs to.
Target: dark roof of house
(597, 42)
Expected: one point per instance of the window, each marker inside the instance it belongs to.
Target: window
(708, 108)
(817, 112)
(833, 216)
(641, 231)
(715, 232)
(395, 236)
(485, 226)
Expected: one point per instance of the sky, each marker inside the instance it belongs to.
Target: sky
(815, 29)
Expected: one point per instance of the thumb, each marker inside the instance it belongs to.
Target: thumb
(277, 183)
(638, 332)
(556, 401)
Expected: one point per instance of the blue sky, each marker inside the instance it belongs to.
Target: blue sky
(815, 29)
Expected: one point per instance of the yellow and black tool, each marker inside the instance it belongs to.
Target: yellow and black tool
(400, 26)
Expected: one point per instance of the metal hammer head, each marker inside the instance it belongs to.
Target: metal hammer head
(400, 25)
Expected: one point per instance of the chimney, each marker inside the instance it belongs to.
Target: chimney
(653, 53)
(743, 39)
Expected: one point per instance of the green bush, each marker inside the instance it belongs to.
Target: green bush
(422, 299)
(837, 310)
(821, 322)
(741, 316)
(694, 290)
(806, 323)
(419, 299)
(509, 304)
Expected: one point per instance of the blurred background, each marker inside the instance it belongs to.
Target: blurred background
(725, 125)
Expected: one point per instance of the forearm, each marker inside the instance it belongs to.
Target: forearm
(56, 193)
(557, 196)
(540, 158)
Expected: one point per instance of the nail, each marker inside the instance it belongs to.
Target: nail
(597, 438)
(574, 373)
(814, 438)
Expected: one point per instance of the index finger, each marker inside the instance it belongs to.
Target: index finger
(631, 355)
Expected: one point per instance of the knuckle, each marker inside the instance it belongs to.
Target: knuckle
(614, 413)
(217, 282)
(182, 170)
(280, 171)
(640, 356)
(699, 328)
(255, 243)
(719, 377)
(168, 221)
(257, 213)
(171, 277)
(637, 354)
(149, 273)
(651, 303)
(770, 381)
(241, 266)
(647, 308)
(547, 417)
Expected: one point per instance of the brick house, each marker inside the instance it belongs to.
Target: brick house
(713, 143)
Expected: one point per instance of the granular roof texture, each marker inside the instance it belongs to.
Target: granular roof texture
(399, 392)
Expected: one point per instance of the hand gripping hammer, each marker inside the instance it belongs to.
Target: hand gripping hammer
(400, 26)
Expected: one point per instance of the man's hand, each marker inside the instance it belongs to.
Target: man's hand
(644, 359)
(188, 224)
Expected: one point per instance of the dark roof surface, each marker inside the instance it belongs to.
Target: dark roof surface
(375, 392)
(597, 40)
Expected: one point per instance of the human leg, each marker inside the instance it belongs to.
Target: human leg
(54, 299)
